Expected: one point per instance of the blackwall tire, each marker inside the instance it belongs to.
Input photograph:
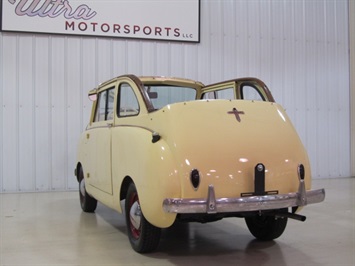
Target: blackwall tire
(266, 227)
(87, 203)
(143, 236)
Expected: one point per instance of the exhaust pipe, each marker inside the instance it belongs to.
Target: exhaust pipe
(294, 216)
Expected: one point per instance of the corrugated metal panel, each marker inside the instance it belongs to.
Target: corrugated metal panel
(352, 82)
(42, 128)
(299, 48)
(1, 115)
(10, 114)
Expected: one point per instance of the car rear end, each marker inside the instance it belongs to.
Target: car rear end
(235, 157)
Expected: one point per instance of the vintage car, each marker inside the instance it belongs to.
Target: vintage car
(173, 149)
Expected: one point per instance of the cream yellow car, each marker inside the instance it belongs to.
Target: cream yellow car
(172, 149)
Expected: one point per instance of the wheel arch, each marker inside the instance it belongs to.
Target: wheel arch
(77, 170)
(124, 187)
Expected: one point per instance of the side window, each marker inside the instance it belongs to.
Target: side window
(220, 94)
(104, 108)
(110, 103)
(249, 92)
(209, 95)
(128, 103)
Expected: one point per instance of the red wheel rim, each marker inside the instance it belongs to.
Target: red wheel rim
(134, 231)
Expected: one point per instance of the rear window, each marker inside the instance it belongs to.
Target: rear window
(162, 95)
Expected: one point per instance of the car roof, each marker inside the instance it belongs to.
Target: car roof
(170, 80)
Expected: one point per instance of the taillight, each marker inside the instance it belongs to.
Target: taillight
(195, 178)
(301, 172)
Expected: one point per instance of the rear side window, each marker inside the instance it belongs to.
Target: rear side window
(104, 108)
(226, 94)
(249, 92)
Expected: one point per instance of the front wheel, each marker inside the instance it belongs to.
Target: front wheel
(265, 227)
(143, 236)
(87, 203)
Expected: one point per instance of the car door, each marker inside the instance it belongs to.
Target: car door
(99, 138)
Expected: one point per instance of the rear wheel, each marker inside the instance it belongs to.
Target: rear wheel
(143, 236)
(265, 227)
(87, 203)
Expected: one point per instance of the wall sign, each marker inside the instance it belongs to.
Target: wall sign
(172, 20)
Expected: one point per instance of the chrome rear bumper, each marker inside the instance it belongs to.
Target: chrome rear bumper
(244, 204)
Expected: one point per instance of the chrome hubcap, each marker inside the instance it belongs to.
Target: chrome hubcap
(135, 215)
(82, 187)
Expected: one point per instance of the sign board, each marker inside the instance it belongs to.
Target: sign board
(172, 20)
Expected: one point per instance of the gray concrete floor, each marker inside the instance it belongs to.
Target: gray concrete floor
(51, 229)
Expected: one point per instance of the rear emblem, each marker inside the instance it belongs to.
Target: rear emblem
(236, 113)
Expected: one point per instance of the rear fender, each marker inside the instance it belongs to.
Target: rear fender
(152, 169)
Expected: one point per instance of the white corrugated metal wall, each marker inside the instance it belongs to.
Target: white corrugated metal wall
(352, 82)
(298, 47)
